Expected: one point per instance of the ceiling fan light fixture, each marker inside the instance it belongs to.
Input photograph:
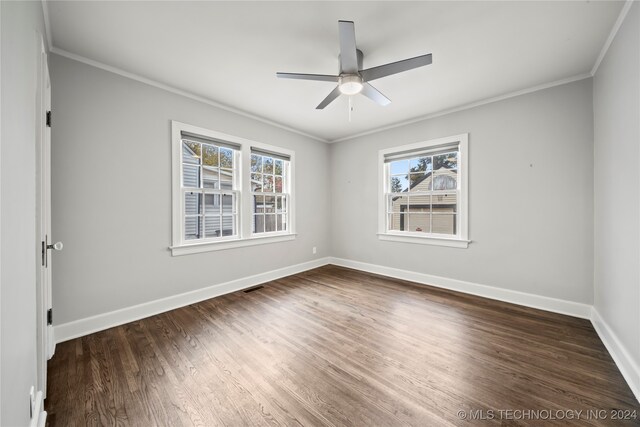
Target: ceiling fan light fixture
(350, 85)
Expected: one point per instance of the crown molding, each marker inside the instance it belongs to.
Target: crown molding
(47, 24)
(612, 35)
(205, 100)
(467, 106)
(177, 91)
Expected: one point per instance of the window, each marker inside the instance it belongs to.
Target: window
(228, 192)
(270, 191)
(424, 192)
(209, 188)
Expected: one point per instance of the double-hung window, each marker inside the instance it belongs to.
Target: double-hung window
(228, 191)
(270, 191)
(424, 192)
(209, 188)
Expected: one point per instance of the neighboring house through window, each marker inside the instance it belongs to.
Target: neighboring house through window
(424, 192)
(228, 191)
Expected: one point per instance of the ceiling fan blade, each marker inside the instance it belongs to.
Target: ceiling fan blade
(395, 67)
(330, 98)
(375, 95)
(348, 54)
(316, 77)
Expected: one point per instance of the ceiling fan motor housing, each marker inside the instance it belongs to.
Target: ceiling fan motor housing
(350, 84)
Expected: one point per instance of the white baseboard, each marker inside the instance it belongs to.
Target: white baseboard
(521, 298)
(628, 367)
(81, 327)
(39, 416)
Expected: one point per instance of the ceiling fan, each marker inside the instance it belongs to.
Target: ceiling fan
(352, 79)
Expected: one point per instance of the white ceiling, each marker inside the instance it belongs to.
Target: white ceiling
(229, 52)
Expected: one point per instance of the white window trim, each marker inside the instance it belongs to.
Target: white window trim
(245, 237)
(286, 192)
(459, 241)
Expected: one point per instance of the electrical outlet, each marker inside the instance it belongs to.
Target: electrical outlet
(314, 250)
(32, 401)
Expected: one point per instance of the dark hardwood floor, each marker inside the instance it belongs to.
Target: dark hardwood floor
(338, 347)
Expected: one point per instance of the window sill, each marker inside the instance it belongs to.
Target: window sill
(424, 240)
(194, 248)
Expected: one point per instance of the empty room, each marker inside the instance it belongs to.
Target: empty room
(319, 213)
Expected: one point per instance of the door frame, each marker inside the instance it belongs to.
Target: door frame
(45, 338)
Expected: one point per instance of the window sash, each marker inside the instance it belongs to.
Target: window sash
(283, 213)
(234, 214)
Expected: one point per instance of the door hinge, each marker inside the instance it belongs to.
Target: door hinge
(48, 118)
(44, 253)
(50, 316)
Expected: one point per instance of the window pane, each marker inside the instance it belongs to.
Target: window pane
(419, 222)
(212, 226)
(227, 225)
(444, 223)
(417, 181)
(210, 155)
(192, 203)
(281, 222)
(399, 167)
(190, 152)
(420, 204)
(211, 204)
(420, 164)
(269, 223)
(270, 204)
(256, 182)
(398, 204)
(268, 184)
(190, 176)
(399, 183)
(267, 165)
(226, 180)
(227, 204)
(278, 188)
(444, 203)
(192, 227)
(226, 158)
(397, 222)
(258, 223)
(445, 161)
(278, 167)
(445, 180)
(258, 204)
(256, 163)
(210, 177)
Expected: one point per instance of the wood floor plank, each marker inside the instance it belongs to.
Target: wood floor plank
(337, 347)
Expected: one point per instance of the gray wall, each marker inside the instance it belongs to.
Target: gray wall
(530, 195)
(616, 110)
(20, 49)
(112, 194)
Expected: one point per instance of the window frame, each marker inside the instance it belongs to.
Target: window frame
(234, 192)
(242, 188)
(284, 194)
(461, 239)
